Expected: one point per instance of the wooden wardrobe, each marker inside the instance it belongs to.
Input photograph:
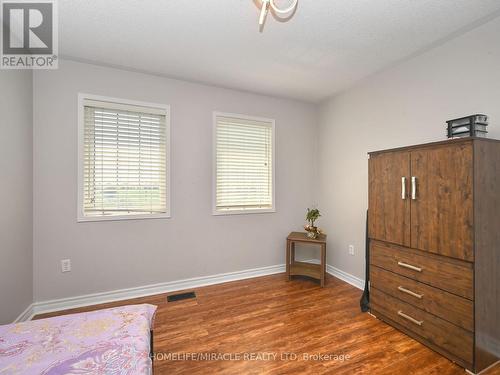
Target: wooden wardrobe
(434, 228)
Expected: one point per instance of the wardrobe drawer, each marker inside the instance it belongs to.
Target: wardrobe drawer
(439, 332)
(452, 308)
(452, 275)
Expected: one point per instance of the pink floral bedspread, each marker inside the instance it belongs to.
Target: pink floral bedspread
(110, 341)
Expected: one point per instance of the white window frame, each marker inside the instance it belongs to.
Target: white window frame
(216, 212)
(81, 121)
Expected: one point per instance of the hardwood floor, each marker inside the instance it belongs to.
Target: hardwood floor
(270, 316)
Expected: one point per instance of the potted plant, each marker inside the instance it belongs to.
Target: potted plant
(311, 216)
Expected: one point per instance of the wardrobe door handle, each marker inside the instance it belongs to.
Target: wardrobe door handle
(413, 188)
(407, 291)
(403, 188)
(409, 266)
(408, 317)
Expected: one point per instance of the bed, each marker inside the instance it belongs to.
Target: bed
(110, 341)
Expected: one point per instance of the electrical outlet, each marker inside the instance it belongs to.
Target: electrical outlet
(351, 249)
(65, 265)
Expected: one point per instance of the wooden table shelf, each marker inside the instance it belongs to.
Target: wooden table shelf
(306, 269)
(293, 267)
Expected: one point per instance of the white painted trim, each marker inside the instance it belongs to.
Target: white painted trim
(85, 219)
(339, 274)
(82, 97)
(148, 290)
(484, 370)
(272, 122)
(171, 286)
(26, 314)
(347, 277)
(243, 212)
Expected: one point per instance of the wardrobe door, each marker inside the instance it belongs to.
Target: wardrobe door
(388, 199)
(442, 200)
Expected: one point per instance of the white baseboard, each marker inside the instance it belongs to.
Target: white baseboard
(339, 274)
(171, 286)
(347, 277)
(149, 290)
(484, 370)
(26, 314)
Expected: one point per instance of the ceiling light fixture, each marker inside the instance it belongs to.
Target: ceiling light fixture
(266, 4)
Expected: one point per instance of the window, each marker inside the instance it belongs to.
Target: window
(123, 159)
(243, 164)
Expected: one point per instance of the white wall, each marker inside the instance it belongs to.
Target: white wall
(16, 194)
(405, 105)
(121, 254)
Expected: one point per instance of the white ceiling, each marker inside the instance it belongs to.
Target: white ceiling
(324, 48)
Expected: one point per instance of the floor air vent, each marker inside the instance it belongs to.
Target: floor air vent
(180, 296)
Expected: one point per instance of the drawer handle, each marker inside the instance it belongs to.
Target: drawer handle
(413, 320)
(403, 188)
(413, 188)
(409, 266)
(404, 290)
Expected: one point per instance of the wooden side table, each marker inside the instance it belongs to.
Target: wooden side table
(317, 271)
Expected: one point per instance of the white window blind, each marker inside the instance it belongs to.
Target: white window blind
(244, 164)
(124, 160)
